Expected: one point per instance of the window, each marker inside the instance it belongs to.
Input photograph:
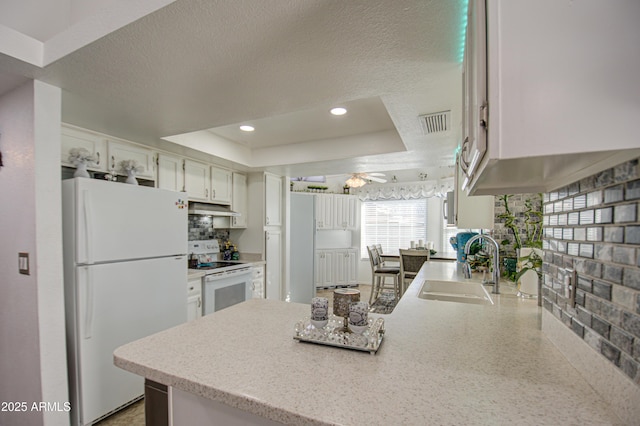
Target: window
(393, 224)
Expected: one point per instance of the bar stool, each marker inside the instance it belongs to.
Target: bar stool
(379, 273)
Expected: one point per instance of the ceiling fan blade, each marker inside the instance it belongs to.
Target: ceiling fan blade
(376, 179)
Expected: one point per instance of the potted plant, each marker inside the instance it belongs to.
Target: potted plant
(528, 249)
(132, 168)
(81, 158)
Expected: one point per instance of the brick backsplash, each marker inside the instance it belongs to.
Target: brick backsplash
(592, 226)
(517, 207)
(201, 228)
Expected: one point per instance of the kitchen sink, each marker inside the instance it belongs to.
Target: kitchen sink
(455, 291)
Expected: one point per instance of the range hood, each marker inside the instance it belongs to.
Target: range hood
(207, 209)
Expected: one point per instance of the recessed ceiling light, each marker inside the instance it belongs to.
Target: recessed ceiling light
(247, 128)
(338, 111)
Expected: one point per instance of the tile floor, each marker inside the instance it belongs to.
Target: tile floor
(134, 414)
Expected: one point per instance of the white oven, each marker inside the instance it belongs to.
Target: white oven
(225, 288)
(225, 283)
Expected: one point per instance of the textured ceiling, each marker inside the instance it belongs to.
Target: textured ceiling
(280, 64)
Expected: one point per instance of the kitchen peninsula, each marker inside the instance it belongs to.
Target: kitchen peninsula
(440, 363)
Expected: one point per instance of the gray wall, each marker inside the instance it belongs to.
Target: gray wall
(592, 226)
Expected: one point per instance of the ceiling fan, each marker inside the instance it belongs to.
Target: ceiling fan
(357, 180)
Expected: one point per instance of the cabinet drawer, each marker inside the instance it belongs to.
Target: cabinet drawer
(194, 287)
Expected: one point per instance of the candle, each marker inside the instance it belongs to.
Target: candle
(358, 313)
(319, 308)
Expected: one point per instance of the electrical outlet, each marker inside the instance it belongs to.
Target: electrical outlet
(23, 263)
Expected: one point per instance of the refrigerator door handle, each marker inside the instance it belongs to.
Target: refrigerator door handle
(88, 226)
(88, 303)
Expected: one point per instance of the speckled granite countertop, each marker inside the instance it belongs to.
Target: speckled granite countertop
(440, 363)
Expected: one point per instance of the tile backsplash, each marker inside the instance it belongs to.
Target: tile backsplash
(206, 228)
(592, 226)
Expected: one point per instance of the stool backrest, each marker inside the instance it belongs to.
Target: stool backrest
(374, 257)
(412, 260)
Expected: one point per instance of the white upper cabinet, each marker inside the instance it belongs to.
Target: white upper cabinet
(273, 200)
(196, 180)
(170, 172)
(346, 212)
(552, 86)
(121, 151)
(79, 138)
(335, 211)
(221, 187)
(472, 212)
(325, 213)
(273, 265)
(239, 200)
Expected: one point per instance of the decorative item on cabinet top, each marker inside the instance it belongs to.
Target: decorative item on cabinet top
(131, 168)
(81, 158)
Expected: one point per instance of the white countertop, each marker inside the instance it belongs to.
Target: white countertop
(439, 363)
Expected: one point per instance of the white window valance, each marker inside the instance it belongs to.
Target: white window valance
(401, 191)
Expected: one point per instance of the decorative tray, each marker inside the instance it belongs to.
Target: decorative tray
(332, 334)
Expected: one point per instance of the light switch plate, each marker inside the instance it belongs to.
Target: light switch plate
(23, 263)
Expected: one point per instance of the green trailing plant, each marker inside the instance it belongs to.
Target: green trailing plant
(531, 262)
(510, 222)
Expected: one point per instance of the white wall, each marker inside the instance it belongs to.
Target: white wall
(32, 342)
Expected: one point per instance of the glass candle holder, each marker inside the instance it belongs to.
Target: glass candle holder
(342, 300)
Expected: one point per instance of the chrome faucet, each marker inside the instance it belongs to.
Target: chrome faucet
(466, 270)
(495, 258)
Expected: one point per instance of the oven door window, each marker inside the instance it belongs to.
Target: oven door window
(229, 296)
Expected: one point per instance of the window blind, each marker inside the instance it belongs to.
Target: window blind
(393, 224)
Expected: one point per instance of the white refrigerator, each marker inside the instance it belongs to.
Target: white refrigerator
(125, 278)
(302, 248)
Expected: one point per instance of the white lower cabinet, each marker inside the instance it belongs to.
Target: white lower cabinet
(194, 299)
(324, 268)
(336, 267)
(257, 281)
(346, 267)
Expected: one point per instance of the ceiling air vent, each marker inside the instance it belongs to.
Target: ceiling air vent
(436, 122)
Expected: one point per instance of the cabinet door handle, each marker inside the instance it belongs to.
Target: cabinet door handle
(267, 220)
(199, 302)
(98, 155)
(483, 116)
(113, 162)
(206, 193)
(464, 150)
(213, 193)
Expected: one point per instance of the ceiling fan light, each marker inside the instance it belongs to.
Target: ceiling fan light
(247, 128)
(355, 182)
(338, 111)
